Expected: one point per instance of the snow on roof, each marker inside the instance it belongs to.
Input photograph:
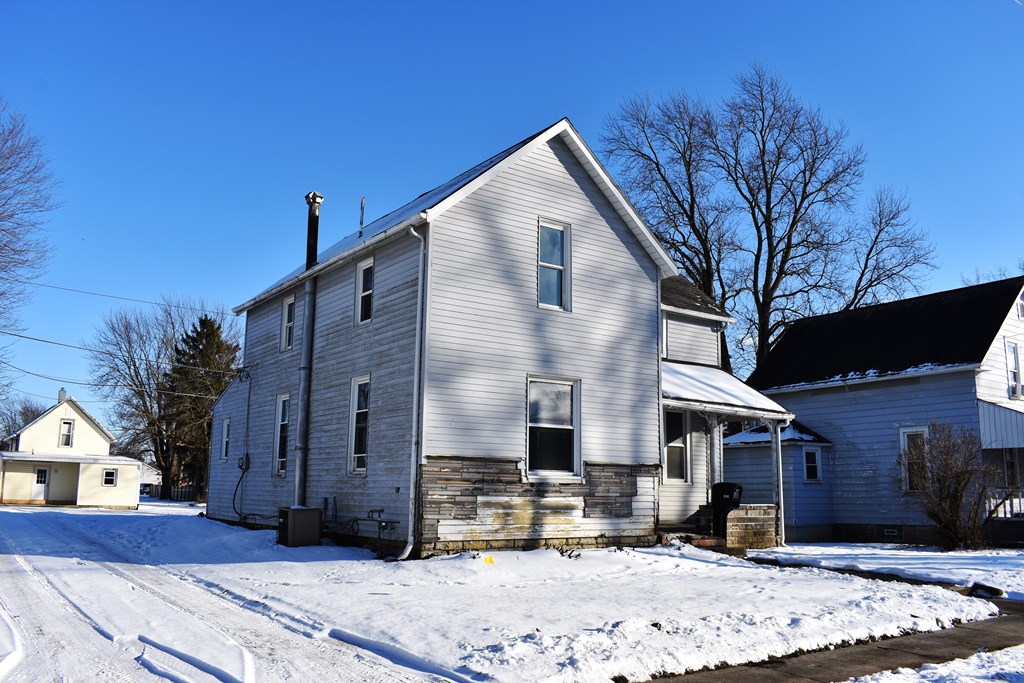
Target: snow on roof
(761, 434)
(711, 387)
(872, 375)
(68, 457)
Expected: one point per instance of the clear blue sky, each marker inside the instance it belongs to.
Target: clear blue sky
(185, 134)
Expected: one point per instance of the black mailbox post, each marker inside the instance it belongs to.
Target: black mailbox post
(725, 496)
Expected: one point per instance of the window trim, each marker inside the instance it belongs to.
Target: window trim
(1016, 387)
(576, 474)
(288, 325)
(687, 446)
(817, 464)
(904, 431)
(280, 466)
(364, 265)
(225, 438)
(71, 433)
(565, 267)
(1010, 455)
(103, 478)
(352, 412)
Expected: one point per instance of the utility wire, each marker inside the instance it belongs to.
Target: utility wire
(108, 386)
(115, 296)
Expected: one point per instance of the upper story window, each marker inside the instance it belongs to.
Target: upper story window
(281, 434)
(1020, 307)
(225, 438)
(552, 426)
(287, 323)
(812, 466)
(553, 265)
(677, 446)
(360, 421)
(67, 433)
(364, 290)
(912, 444)
(1013, 369)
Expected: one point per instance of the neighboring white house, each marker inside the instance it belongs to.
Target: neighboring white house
(63, 458)
(480, 367)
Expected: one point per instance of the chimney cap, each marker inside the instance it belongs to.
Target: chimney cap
(314, 197)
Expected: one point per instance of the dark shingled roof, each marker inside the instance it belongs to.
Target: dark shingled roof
(678, 292)
(947, 328)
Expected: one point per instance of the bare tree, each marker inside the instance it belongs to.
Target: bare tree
(955, 486)
(16, 413)
(134, 350)
(754, 199)
(26, 196)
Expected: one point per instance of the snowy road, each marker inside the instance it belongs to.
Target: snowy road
(73, 608)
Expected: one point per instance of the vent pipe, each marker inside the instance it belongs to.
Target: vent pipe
(313, 199)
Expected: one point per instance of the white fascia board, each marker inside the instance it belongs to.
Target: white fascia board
(698, 314)
(351, 255)
(904, 374)
(721, 409)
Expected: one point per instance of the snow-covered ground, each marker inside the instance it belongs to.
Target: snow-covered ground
(161, 592)
(1004, 665)
(1002, 569)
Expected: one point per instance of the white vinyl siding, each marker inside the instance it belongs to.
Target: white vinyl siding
(92, 489)
(995, 379)
(483, 288)
(692, 340)
(44, 435)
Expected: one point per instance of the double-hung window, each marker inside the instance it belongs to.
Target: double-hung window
(552, 426)
(1013, 369)
(677, 450)
(225, 438)
(553, 265)
(110, 477)
(912, 442)
(287, 323)
(67, 433)
(812, 466)
(364, 291)
(281, 434)
(360, 421)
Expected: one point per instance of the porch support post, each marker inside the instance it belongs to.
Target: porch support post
(716, 451)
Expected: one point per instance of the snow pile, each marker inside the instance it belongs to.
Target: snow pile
(1002, 569)
(1003, 665)
(502, 616)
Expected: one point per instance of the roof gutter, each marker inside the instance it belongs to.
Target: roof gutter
(904, 374)
(698, 314)
(723, 409)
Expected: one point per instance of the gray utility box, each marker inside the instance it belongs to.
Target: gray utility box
(298, 526)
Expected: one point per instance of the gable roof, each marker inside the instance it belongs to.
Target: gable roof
(431, 204)
(679, 293)
(78, 406)
(795, 432)
(927, 333)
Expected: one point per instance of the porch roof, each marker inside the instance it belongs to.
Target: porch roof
(68, 457)
(706, 389)
(1001, 426)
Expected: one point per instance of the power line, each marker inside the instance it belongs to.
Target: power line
(115, 296)
(108, 386)
(110, 353)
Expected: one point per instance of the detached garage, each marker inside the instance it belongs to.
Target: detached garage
(62, 457)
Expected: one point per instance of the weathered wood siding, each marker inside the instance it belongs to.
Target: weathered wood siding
(692, 340)
(863, 423)
(487, 333)
(382, 348)
(44, 435)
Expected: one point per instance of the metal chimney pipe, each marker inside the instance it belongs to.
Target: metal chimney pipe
(313, 199)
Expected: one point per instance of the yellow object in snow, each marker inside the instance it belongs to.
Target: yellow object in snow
(488, 560)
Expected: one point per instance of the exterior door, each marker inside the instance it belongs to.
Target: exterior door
(41, 488)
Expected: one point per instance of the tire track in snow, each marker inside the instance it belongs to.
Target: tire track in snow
(290, 648)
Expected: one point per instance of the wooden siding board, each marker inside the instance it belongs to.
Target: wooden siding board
(484, 275)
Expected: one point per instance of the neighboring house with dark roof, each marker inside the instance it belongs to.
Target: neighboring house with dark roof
(62, 457)
(872, 378)
(479, 368)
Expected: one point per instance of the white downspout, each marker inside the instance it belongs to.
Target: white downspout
(777, 426)
(414, 447)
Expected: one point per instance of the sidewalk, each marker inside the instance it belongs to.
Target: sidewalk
(910, 651)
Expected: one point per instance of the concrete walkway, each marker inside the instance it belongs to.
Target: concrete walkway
(910, 652)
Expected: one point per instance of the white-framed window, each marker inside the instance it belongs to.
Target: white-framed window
(1013, 369)
(287, 323)
(110, 477)
(359, 439)
(912, 444)
(553, 264)
(1020, 307)
(225, 438)
(677, 445)
(552, 421)
(812, 464)
(67, 434)
(364, 291)
(281, 434)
